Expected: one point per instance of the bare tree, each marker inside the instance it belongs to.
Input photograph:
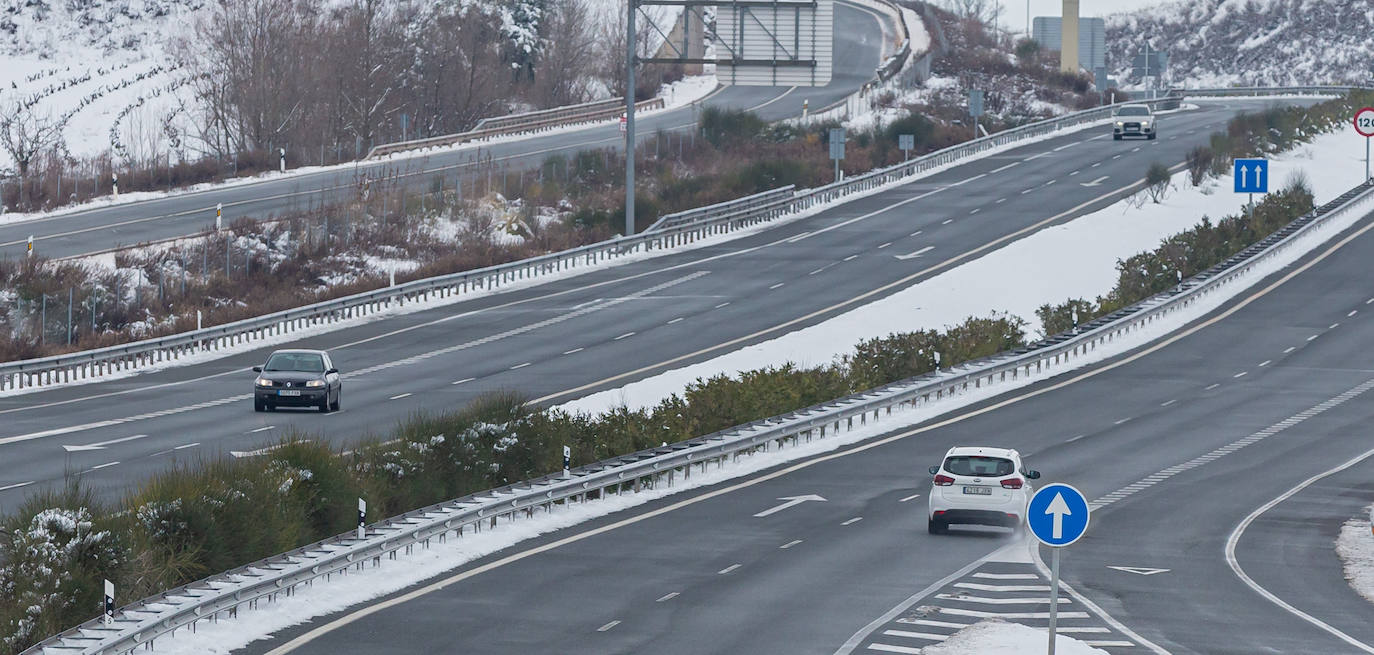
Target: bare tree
(364, 52)
(984, 11)
(564, 73)
(25, 133)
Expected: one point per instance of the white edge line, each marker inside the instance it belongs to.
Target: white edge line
(1240, 573)
(863, 633)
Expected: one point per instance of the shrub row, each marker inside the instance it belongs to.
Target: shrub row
(212, 514)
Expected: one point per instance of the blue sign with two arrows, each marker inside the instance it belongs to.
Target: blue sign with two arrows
(1057, 515)
(1252, 176)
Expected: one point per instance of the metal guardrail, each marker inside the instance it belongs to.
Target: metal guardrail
(520, 123)
(724, 210)
(1242, 91)
(139, 624)
(63, 369)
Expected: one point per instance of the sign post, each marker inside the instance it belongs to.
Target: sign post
(1364, 124)
(219, 216)
(837, 148)
(1058, 516)
(975, 108)
(906, 143)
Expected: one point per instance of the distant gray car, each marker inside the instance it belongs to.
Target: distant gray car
(297, 378)
(1134, 120)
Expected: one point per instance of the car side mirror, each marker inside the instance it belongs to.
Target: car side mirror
(257, 369)
(1033, 475)
(332, 371)
(934, 469)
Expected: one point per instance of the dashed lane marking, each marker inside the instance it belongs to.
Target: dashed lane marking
(789, 544)
(728, 569)
(911, 497)
(668, 596)
(608, 626)
(853, 520)
(466, 380)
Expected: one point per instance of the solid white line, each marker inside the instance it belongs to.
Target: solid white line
(1000, 601)
(934, 624)
(627, 335)
(471, 379)
(977, 586)
(574, 350)
(608, 626)
(911, 497)
(915, 635)
(1007, 576)
(676, 320)
(400, 396)
(853, 520)
(667, 597)
(16, 486)
(888, 648)
(1109, 643)
(262, 429)
(728, 569)
(1249, 582)
(789, 544)
(984, 614)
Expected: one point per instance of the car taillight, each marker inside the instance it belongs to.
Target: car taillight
(943, 481)
(1011, 483)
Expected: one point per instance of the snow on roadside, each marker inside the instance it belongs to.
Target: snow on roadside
(997, 637)
(1355, 546)
(1074, 260)
(687, 90)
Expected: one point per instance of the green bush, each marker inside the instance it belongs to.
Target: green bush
(735, 127)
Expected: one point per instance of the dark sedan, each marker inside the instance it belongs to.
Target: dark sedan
(297, 378)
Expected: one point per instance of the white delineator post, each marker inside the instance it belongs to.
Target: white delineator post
(362, 518)
(114, 182)
(282, 153)
(219, 216)
(30, 246)
(567, 460)
(109, 603)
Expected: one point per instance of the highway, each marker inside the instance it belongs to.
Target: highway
(858, 49)
(600, 330)
(1179, 442)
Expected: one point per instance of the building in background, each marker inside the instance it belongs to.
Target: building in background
(1092, 39)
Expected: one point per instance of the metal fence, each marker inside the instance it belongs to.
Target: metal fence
(520, 123)
(123, 359)
(139, 624)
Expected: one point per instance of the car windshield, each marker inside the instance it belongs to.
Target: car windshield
(979, 465)
(1134, 111)
(299, 362)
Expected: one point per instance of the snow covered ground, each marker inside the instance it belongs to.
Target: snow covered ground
(1074, 260)
(997, 637)
(1355, 546)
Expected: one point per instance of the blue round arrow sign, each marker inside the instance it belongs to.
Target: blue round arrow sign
(1057, 515)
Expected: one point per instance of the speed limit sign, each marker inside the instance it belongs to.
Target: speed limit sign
(1364, 122)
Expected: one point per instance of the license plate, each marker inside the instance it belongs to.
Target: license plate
(289, 392)
(978, 491)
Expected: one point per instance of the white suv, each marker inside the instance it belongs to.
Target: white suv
(985, 486)
(1134, 120)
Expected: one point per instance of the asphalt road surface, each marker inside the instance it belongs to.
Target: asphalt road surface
(1179, 442)
(600, 330)
(858, 49)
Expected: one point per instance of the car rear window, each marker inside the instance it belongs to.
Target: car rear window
(979, 465)
(300, 362)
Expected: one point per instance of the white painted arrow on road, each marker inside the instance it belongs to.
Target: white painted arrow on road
(792, 501)
(1059, 509)
(102, 444)
(918, 253)
(1097, 182)
(1138, 570)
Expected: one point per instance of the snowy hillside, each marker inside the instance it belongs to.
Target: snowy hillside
(1249, 42)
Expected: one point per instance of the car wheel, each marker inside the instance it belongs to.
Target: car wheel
(936, 527)
(259, 406)
(1153, 135)
(1116, 137)
(324, 404)
(338, 399)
